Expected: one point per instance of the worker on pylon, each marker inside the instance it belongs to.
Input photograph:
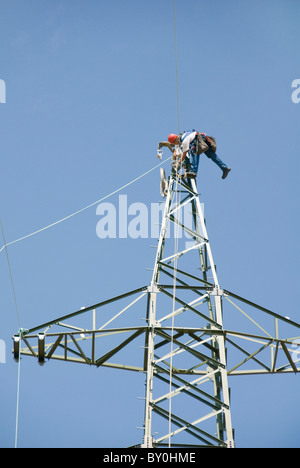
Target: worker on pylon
(192, 145)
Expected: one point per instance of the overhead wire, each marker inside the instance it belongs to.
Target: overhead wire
(85, 208)
(18, 397)
(20, 332)
(176, 63)
(4, 248)
(176, 234)
(6, 244)
(176, 237)
(10, 273)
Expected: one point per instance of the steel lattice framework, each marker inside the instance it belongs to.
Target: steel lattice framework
(188, 355)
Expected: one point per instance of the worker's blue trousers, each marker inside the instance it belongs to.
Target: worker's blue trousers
(194, 160)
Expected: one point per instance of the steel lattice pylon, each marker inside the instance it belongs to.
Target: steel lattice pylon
(188, 354)
(200, 345)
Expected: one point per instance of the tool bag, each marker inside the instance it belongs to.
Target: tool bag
(204, 143)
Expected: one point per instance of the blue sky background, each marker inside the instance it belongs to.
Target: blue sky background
(91, 89)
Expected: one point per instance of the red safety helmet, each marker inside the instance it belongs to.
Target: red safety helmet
(172, 137)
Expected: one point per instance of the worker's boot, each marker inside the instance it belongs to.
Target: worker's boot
(226, 172)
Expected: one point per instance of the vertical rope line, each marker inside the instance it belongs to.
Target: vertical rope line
(176, 234)
(18, 396)
(20, 333)
(10, 275)
(176, 61)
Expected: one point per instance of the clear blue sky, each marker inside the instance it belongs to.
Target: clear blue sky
(90, 90)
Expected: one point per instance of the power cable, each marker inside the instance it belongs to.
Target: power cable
(10, 273)
(176, 62)
(176, 234)
(5, 245)
(85, 208)
(20, 332)
(18, 396)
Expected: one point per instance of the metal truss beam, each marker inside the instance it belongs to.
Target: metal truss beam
(67, 346)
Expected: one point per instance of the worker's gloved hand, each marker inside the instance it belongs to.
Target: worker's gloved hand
(165, 144)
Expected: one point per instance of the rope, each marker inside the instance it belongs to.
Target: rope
(10, 274)
(18, 396)
(176, 61)
(176, 234)
(19, 321)
(5, 245)
(85, 208)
